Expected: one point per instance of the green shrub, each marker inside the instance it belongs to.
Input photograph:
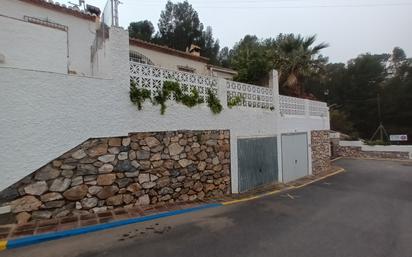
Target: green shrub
(138, 95)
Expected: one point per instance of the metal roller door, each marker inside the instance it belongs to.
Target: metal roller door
(294, 156)
(257, 162)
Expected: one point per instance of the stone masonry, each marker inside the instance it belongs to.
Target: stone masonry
(321, 155)
(140, 169)
(356, 152)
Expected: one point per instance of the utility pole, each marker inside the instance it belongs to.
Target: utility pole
(381, 129)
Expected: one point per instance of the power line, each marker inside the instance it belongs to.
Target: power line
(304, 7)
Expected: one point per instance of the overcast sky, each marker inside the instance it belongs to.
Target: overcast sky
(350, 27)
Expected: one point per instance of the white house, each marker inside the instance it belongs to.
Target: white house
(65, 78)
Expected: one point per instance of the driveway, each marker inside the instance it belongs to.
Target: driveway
(364, 212)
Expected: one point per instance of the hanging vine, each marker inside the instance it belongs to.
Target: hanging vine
(138, 95)
(235, 101)
(172, 90)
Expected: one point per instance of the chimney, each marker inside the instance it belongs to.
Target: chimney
(194, 50)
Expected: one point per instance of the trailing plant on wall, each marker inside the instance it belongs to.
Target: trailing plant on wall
(235, 101)
(138, 95)
(213, 102)
(172, 90)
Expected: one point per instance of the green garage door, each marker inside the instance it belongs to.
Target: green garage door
(257, 162)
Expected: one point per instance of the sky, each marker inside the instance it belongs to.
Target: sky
(351, 27)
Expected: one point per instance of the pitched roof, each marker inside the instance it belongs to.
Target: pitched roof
(167, 50)
(62, 8)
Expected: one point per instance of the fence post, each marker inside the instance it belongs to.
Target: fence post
(222, 92)
(274, 84)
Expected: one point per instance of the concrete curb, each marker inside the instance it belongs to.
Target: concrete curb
(26, 241)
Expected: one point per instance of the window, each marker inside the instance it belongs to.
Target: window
(140, 58)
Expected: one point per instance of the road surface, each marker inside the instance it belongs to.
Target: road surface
(364, 212)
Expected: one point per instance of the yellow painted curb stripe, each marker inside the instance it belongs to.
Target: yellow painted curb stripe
(313, 181)
(284, 189)
(251, 198)
(3, 245)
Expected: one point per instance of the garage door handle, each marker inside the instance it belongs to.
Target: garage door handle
(260, 170)
(296, 161)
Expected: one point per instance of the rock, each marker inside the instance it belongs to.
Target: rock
(98, 150)
(182, 142)
(23, 217)
(86, 169)
(123, 156)
(123, 182)
(133, 188)
(125, 166)
(135, 164)
(175, 149)
(47, 173)
(148, 185)
(41, 215)
(76, 193)
(157, 149)
(88, 203)
(51, 197)
(115, 200)
(106, 180)
(201, 166)
(107, 192)
(144, 177)
(93, 190)
(127, 199)
(77, 181)
(165, 198)
(211, 142)
(67, 173)
(107, 158)
(54, 204)
(89, 178)
(115, 141)
(78, 206)
(166, 190)
(143, 200)
(106, 168)
(185, 162)
(57, 163)
(202, 155)
(153, 177)
(132, 174)
(114, 150)
(132, 155)
(67, 167)
(142, 155)
(60, 185)
(152, 142)
(99, 209)
(163, 181)
(26, 203)
(156, 157)
(126, 141)
(79, 154)
(145, 165)
(198, 186)
(157, 164)
(215, 161)
(209, 187)
(37, 188)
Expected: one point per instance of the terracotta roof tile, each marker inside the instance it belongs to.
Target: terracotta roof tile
(167, 50)
(62, 8)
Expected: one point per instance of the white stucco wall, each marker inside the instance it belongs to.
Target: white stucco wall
(81, 32)
(171, 61)
(30, 46)
(45, 114)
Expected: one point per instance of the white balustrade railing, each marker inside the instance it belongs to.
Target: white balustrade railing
(252, 96)
(152, 77)
(291, 105)
(317, 108)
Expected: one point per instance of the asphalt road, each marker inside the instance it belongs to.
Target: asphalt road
(364, 212)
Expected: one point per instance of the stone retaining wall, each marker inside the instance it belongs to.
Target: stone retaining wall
(356, 152)
(140, 169)
(320, 145)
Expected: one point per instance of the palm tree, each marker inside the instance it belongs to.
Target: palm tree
(296, 58)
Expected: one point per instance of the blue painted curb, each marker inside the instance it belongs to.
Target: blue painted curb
(20, 242)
